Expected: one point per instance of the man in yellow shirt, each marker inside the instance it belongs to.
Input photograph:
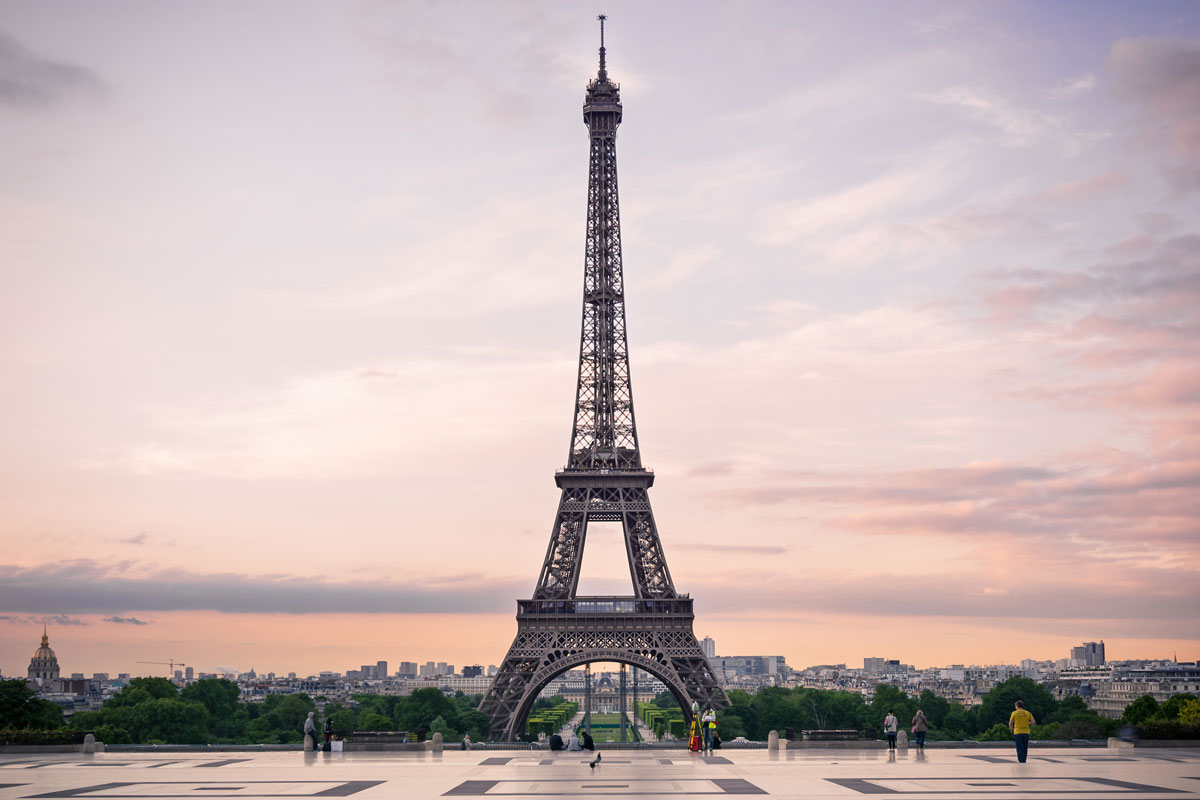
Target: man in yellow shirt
(1019, 722)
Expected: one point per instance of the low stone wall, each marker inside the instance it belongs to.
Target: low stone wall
(372, 747)
(88, 745)
(14, 749)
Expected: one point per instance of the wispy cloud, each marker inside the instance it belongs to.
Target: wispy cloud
(1074, 86)
(41, 619)
(89, 586)
(126, 620)
(1162, 76)
(28, 80)
(744, 549)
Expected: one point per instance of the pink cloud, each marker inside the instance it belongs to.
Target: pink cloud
(1163, 77)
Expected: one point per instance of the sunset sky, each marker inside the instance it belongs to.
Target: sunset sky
(289, 324)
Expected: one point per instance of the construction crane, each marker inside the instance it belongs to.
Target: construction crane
(172, 664)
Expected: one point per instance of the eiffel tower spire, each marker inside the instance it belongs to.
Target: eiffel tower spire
(603, 481)
(604, 434)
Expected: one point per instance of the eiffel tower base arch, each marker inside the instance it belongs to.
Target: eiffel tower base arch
(554, 636)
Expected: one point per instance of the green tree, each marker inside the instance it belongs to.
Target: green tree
(345, 720)
(1190, 713)
(1140, 710)
(422, 707)
(1067, 708)
(997, 733)
(169, 721)
(887, 698)
(374, 721)
(439, 725)
(1169, 710)
(1080, 726)
(139, 690)
(729, 725)
(22, 709)
(220, 697)
(665, 700)
(999, 703)
(475, 723)
(935, 707)
(959, 723)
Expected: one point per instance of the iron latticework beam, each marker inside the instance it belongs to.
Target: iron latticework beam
(604, 481)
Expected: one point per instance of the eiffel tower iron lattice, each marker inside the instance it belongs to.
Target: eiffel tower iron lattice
(604, 481)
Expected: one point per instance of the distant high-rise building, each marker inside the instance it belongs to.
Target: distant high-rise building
(873, 666)
(492, 668)
(1089, 654)
(44, 664)
(381, 671)
(429, 670)
(709, 647)
(190, 673)
(178, 674)
(474, 671)
(291, 676)
(408, 669)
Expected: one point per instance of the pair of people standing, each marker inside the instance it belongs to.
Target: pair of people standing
(310, 730)
(920, 726)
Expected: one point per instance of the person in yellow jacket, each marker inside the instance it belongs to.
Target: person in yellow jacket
(709, 724)
(1019, 722)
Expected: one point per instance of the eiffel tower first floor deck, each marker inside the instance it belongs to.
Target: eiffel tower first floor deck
(986, 774)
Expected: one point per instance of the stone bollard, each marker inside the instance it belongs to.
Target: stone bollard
(309, 743)
(773, 741)
(89, 743)
(902, 740)
(435, 744)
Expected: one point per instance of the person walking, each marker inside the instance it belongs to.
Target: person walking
(891, 726)
(708, 725)
(310, 730)
(328, 735)
(466, 741)
(1019, 722)
(920, 726)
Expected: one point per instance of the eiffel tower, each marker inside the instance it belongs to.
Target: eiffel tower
(604, 481)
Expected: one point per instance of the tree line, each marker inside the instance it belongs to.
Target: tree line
(794, 710)
(209, 711)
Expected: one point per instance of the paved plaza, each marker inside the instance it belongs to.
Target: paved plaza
(845, 774)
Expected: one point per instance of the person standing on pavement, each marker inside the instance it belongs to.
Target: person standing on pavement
(891, 726)
(708, 725)
(1019, 722)
(310, 730)
(920, 726)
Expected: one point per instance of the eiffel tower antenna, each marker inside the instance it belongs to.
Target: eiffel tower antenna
(603, 481)
(603, 74)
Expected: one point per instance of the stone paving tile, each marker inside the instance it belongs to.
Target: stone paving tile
(834, 774)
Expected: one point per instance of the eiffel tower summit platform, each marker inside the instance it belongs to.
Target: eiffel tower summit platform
(604, 481)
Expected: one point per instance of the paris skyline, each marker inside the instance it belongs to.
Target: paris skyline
(290, 325)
